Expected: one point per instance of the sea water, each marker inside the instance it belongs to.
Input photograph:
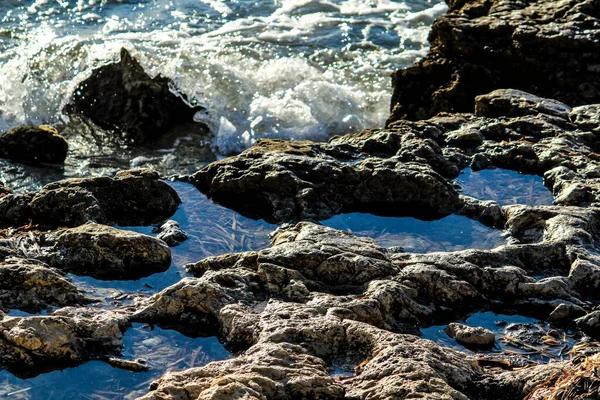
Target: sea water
(296, 69)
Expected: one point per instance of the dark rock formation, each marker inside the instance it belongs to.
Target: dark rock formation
(133, 197)
(34, 144)
(70, 336)
(545, 47)
(284, 181)
(104, 252)
(122, 98)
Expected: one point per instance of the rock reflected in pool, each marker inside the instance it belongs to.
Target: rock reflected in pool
(505, 186)
(452, 233)
(163, 350)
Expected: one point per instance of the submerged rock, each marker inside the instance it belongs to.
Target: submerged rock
(480, 46)
(122, 98)
(34, 144)
(32, 345)
(104, 252)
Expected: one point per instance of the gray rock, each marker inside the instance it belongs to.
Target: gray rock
(32, 345)
(170, 233)
(475, 336)
(31, 286)
(513, 103)
(104, 252)
(133, 197)
(284, 181)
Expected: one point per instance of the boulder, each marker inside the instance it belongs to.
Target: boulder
(34, 144)
(32, 286)
(104, 252)
(544, 47)
(123, 98)
(71, 336)
(132, 197)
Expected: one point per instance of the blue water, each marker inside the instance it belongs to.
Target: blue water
(413, 235)
(163, 350)
(505, 186)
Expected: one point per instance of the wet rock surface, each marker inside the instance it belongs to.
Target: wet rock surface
(104, 252)
(70, 336)
(121, 97)
(132, 197)
(320, 300)
(30, 285)
(543, 47)
(34, 144)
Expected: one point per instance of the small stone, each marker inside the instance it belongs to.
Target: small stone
(171, 233)
(476, 336)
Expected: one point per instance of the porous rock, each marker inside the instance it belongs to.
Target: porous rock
(34, 144)
(31, 345)
(282, 181)
(104, 252)
(132, 197)
(476, 336)
(121, 97)
(170, 233)
(480, 46)
(31, 286)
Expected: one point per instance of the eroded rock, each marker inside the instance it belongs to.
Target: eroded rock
(475, 336)
(132, 197)
(104, 252)
(31, 345)
(480, 46)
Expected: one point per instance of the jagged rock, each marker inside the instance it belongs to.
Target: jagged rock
(516, 103)
(132, 197)
(170, 233)
(121, 97)
(31, 286)
(32, 345)
(284, 181)
(104, 252)
(34, 144)
(483, 45)
(475, 336)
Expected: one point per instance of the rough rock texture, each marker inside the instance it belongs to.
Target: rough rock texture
(475, 336)
(133, 197)
(170, 233)
(104, 252)
(284, 181)
(31, 286)
(34, 144)
(121, 97)
(70, 336)
(544, 47)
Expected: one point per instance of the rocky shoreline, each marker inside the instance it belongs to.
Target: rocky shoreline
(508, 84)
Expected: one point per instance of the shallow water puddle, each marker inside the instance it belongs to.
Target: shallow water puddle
(516, 335)
(505, 186)
(163, 350)
(212, 230)
(415, 236)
